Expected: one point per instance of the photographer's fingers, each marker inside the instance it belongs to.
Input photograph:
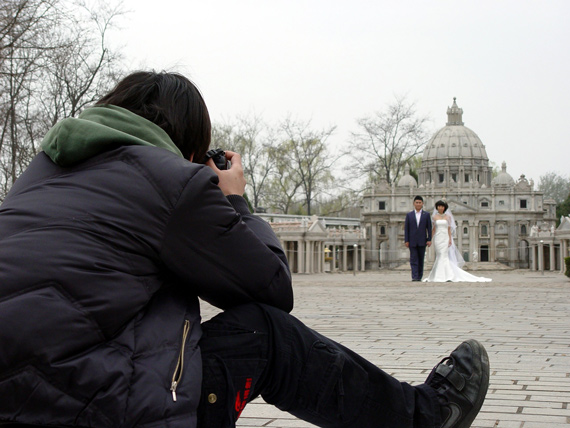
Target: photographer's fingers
(234, 157)
(232, 180)
(212, 165)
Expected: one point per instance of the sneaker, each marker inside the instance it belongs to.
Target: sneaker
(461, 382)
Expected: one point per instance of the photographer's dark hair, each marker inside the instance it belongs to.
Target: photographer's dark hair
(418, 198)
(170, 101)
(441, 203)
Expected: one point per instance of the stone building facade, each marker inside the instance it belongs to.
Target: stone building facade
(494, 216)
(562, 234)
(549, 247)
(320, 244)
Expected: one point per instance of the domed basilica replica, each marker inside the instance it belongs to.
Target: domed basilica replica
(495, 216)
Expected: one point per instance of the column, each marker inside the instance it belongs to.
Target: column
(563, 253)
(354, 257)
(373, 238)
(476, 240)
(313, 246)
(363, 258)
(473, 235)
(344, 257)
(492, 246)
(533, 257)
(308, 257)
(300, 257)
(540, 257)
(333, 261)
(552, 257)
(459, 237)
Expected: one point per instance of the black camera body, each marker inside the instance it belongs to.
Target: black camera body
(219, 158)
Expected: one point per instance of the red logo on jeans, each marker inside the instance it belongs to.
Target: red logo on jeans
(240, 403)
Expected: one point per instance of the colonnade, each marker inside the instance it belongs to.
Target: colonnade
(340, 258)
(539, 259)
(309, 256)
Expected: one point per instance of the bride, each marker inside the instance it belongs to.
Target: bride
(448, 260)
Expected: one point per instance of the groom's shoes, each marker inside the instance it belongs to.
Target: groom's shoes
(461, 382)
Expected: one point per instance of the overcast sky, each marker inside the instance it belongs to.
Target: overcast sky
(506, 61)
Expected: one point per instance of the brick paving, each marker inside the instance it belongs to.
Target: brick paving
(522, 318)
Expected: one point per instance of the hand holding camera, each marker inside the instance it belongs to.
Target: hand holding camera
(219, 158)
(227, 165)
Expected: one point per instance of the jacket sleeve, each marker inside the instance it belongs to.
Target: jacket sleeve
(406, 227)
(226, 255)
(429, 228)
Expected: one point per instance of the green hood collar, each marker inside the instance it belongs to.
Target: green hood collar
(99, 129)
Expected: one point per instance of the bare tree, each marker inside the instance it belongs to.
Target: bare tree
(305, 152)
(554, 186)
(387, 140)
(343, 204)
(256, 142)
(53, 62)
(284, 184)
(24, 46)
(83, 68)
(563, 210)
(222, 135)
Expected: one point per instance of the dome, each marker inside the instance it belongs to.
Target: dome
(407, 179)
(503, 178)
(454, 141)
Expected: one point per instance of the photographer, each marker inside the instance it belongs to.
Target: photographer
(107, 240)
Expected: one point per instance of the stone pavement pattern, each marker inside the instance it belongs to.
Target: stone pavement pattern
(406, 328)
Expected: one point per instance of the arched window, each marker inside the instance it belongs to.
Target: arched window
(382, 230)
(484, 230)
(465, 231)
(523, 229)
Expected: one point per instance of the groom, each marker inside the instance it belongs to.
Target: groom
(417, 235)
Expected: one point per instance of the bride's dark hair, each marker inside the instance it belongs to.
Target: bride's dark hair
(443, 204)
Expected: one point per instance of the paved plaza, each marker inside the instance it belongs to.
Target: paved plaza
(404, 327)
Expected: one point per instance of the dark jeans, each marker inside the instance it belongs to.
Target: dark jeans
(255, 349)
(417, 256)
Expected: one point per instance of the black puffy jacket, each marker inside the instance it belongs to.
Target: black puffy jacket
(101, 263)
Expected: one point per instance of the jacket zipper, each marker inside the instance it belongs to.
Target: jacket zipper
(180, 364)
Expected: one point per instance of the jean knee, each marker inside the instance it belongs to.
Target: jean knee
(332, 386)
(249, 316)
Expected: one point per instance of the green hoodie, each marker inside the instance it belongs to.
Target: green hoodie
(99, 129)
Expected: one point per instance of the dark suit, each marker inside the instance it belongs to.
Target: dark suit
(417, 237)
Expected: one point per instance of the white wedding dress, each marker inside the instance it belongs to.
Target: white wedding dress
(445, 269)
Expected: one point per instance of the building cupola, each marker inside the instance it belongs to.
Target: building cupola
(454, 114)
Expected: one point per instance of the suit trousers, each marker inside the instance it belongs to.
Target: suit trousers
(255, 349)
(417, 256)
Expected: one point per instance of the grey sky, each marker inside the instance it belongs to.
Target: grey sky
(507, 62)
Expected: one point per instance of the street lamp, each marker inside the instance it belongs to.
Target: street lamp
(354, 259)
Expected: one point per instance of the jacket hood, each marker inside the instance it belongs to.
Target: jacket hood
(101, 128)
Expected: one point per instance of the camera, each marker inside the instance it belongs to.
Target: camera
(219, 158)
